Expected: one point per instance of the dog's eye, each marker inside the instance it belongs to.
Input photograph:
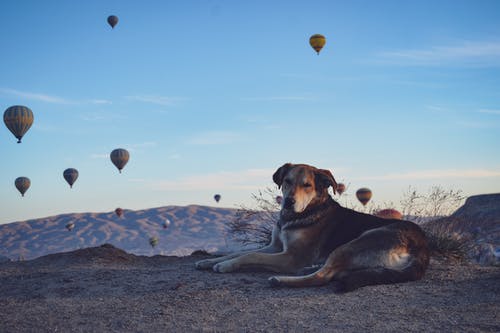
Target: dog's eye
(307, 185)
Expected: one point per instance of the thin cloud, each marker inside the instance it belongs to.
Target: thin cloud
(155, 99)
(468, 53)
(214, 138)
(489, 111)
(35, 96)
(49, 98)
(100, 101)
(281, 98)
(438, 174)
(250, 179)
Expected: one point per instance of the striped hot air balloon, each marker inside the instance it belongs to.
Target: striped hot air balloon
(18, 120)
(119, 157)
(217, 197)
(364, 195)
(317, 42)
(70, 175)
(22, 184)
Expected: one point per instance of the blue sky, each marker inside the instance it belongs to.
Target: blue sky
(213, 96)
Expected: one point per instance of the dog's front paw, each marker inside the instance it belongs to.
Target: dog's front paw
(204, 264)
(223, 267)
(274, 281)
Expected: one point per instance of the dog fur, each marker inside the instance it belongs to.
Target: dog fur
(355, 249)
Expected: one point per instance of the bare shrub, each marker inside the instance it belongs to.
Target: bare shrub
(437, 202)
(255, 225)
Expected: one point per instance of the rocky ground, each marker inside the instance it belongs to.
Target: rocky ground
(105, 289)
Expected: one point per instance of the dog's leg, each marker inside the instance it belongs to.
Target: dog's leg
(275, 246)
(336, 262)
(209, 263)
(276, 262)
(318, 278)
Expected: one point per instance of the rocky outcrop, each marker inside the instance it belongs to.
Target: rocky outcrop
(477, 222)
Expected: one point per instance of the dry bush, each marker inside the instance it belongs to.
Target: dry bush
(437, 202)
(255, 225)
(444, 244)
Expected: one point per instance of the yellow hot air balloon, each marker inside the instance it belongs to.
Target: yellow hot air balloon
(317, 42)
(364, 195)
(18, 120)
(119, 157)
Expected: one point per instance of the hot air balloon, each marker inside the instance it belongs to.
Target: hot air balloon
(112, 21)
(153, 241)
(119, 157)
(217, 197)
(22, 184)
(119, 212)
(70, 175)
(166, 224)
(340, 188)
(389, 213)
(70, 226)
(364, 195)
(18, 120)
(317, 42)
(279, 199)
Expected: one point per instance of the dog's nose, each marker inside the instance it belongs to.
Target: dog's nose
(289, 202)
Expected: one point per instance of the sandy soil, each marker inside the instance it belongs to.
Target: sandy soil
(104, 289)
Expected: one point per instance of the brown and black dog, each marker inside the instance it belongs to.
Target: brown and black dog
(356, 249)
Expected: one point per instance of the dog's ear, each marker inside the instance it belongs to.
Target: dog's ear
(325, 178)
(280, 174)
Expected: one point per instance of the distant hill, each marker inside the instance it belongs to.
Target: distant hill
(192, 228)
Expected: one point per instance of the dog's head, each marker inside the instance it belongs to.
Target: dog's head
(303, 186)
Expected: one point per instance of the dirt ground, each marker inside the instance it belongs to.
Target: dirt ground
(104, 289)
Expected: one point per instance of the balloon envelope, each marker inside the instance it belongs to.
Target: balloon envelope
(340, 188)
(166, 224)
(153, 241)
(70, 175)
(119, 212)
(364, 195)
(389, 213)
(317, 42)
(112, 21)
(217, 197)
(119, 157)
(18, 120)
(22, 184)
(70, 226)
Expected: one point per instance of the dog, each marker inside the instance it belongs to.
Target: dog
(355, 249)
